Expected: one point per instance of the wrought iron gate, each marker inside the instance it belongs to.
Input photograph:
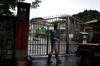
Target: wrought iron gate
(39, 39)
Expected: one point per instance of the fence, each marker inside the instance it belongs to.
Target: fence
(39, 39)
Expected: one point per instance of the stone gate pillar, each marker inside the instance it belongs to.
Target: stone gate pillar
(22, 33)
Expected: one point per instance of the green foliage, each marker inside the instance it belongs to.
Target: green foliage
(58, 21)
(41, 32)
(35, 3)
(87, 15)
(6, 5)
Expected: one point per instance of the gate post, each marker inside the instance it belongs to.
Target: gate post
(47, 40)
(22, 33)
(67, 34)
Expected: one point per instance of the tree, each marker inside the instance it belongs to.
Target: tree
(7, 5)
(35, 3)
(87, 15)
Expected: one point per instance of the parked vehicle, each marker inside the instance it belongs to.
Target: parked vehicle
(88, 52)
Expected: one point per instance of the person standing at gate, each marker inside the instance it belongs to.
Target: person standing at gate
(54, 38)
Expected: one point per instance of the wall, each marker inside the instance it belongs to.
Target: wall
(7, 37)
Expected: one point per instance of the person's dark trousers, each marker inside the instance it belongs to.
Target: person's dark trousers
(57, 58)
(49, 58)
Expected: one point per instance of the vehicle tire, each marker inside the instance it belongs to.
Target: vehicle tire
(86, 62)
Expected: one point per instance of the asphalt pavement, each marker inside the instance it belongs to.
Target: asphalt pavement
(68, 60)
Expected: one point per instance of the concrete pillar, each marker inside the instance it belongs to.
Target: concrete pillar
(22, 33)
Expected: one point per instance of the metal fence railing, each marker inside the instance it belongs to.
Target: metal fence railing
(41, 49)
(39, 40)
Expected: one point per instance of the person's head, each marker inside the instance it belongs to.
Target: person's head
(55, 26)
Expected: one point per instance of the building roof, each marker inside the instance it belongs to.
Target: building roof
(38, 18)
(92, 21)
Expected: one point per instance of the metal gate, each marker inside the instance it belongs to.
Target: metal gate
(39, 39)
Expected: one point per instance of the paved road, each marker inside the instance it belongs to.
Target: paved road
(70, 60)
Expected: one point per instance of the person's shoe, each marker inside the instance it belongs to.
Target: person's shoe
(49, 62)
(49, 59)
(58, 61)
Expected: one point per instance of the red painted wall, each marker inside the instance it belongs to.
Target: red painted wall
(22, 34)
